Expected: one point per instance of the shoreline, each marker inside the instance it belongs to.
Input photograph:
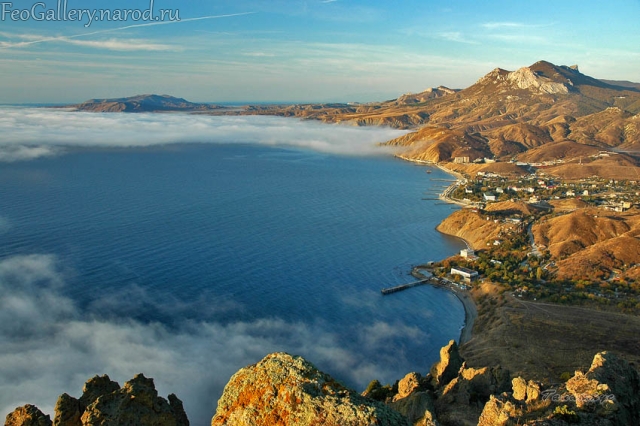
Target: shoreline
(470, 309)
(469, 306)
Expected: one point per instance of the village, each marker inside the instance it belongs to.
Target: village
(513, 261)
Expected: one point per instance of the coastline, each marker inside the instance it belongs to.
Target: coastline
(470, 315)
(470, 309)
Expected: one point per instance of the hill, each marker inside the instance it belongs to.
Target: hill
(554, 111)
(142, 103)
(542, 112)
(590, 243)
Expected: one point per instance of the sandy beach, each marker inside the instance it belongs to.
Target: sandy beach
(470, 310)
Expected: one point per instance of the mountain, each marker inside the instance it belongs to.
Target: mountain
(554, 110)
(286, 390)
(507, 113)
(143, 103)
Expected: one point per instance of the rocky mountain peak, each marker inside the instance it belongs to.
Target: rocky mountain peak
(527, 78)
(288, 390)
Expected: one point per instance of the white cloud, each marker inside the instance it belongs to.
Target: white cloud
(21, 152)
(121, 45)
(50, 345)
(34, 132)
(108, 44)
(494, 25)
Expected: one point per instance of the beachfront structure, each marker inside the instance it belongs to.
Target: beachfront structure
(488, 196)
(467, 274)
(468, 253)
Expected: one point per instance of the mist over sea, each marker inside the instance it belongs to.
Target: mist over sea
(186, 247)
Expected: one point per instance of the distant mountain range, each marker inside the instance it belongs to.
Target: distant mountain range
(143, 103)
(537, 113)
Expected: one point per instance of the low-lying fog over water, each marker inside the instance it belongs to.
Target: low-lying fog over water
(186, 247)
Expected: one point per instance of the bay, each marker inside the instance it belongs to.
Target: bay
(198, 259)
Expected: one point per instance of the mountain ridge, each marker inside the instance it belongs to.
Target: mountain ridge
(142, 103)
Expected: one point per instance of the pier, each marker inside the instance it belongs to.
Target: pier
(401, 287)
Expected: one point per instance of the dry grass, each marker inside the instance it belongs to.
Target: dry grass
(541, 341)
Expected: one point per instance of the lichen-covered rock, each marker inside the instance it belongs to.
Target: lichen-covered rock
(461, 401)
(96, 387)
(68, 411)
(136, 403)
(28, 415)
(104, 403)
(498, 412)
(610, 388)
(407, 385)
(525, 391)
(285, 390)
(533, 391)
(417, 408)
(447, 368)
(519, 386)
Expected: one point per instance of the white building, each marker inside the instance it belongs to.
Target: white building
(467, 274)
(467, 253)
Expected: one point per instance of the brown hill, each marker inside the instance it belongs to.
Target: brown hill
(590, 241)
(477, 229)
(614, 167)
(555, 111)
(438, 144)
(472, 169)
(564, 150)
(417, 98)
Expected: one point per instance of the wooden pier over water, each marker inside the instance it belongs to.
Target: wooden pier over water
(401, 287)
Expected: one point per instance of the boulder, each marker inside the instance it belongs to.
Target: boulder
(499, 411)
(610, 388)
(283, 390)
(103, 402)
(525, 391)
(28, 415)
(407, 385)
(447, 368)
(417, 408)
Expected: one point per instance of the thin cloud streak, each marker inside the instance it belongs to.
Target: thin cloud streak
(126, 27)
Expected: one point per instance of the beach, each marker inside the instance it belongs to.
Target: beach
(470, 310)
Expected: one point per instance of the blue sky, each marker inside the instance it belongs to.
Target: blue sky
(297, 51)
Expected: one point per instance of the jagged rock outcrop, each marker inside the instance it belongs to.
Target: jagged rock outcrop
(104, 402)
(610, 388)
(462, 399)
(287, 390)
(525, 391)
(498, 412)
(28, 415)
(418, 408)
(447, 368)
(68, 411)
(407, 385)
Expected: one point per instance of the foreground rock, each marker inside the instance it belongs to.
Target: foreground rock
(287, 390)
(104, 402)
(29, 415)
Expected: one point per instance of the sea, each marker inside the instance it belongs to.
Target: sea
(188, 261)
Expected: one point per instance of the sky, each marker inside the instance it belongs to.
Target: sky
(300, 51)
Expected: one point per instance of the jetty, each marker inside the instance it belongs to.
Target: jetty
(401, 287)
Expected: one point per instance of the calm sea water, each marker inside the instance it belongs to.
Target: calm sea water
(230, 234)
